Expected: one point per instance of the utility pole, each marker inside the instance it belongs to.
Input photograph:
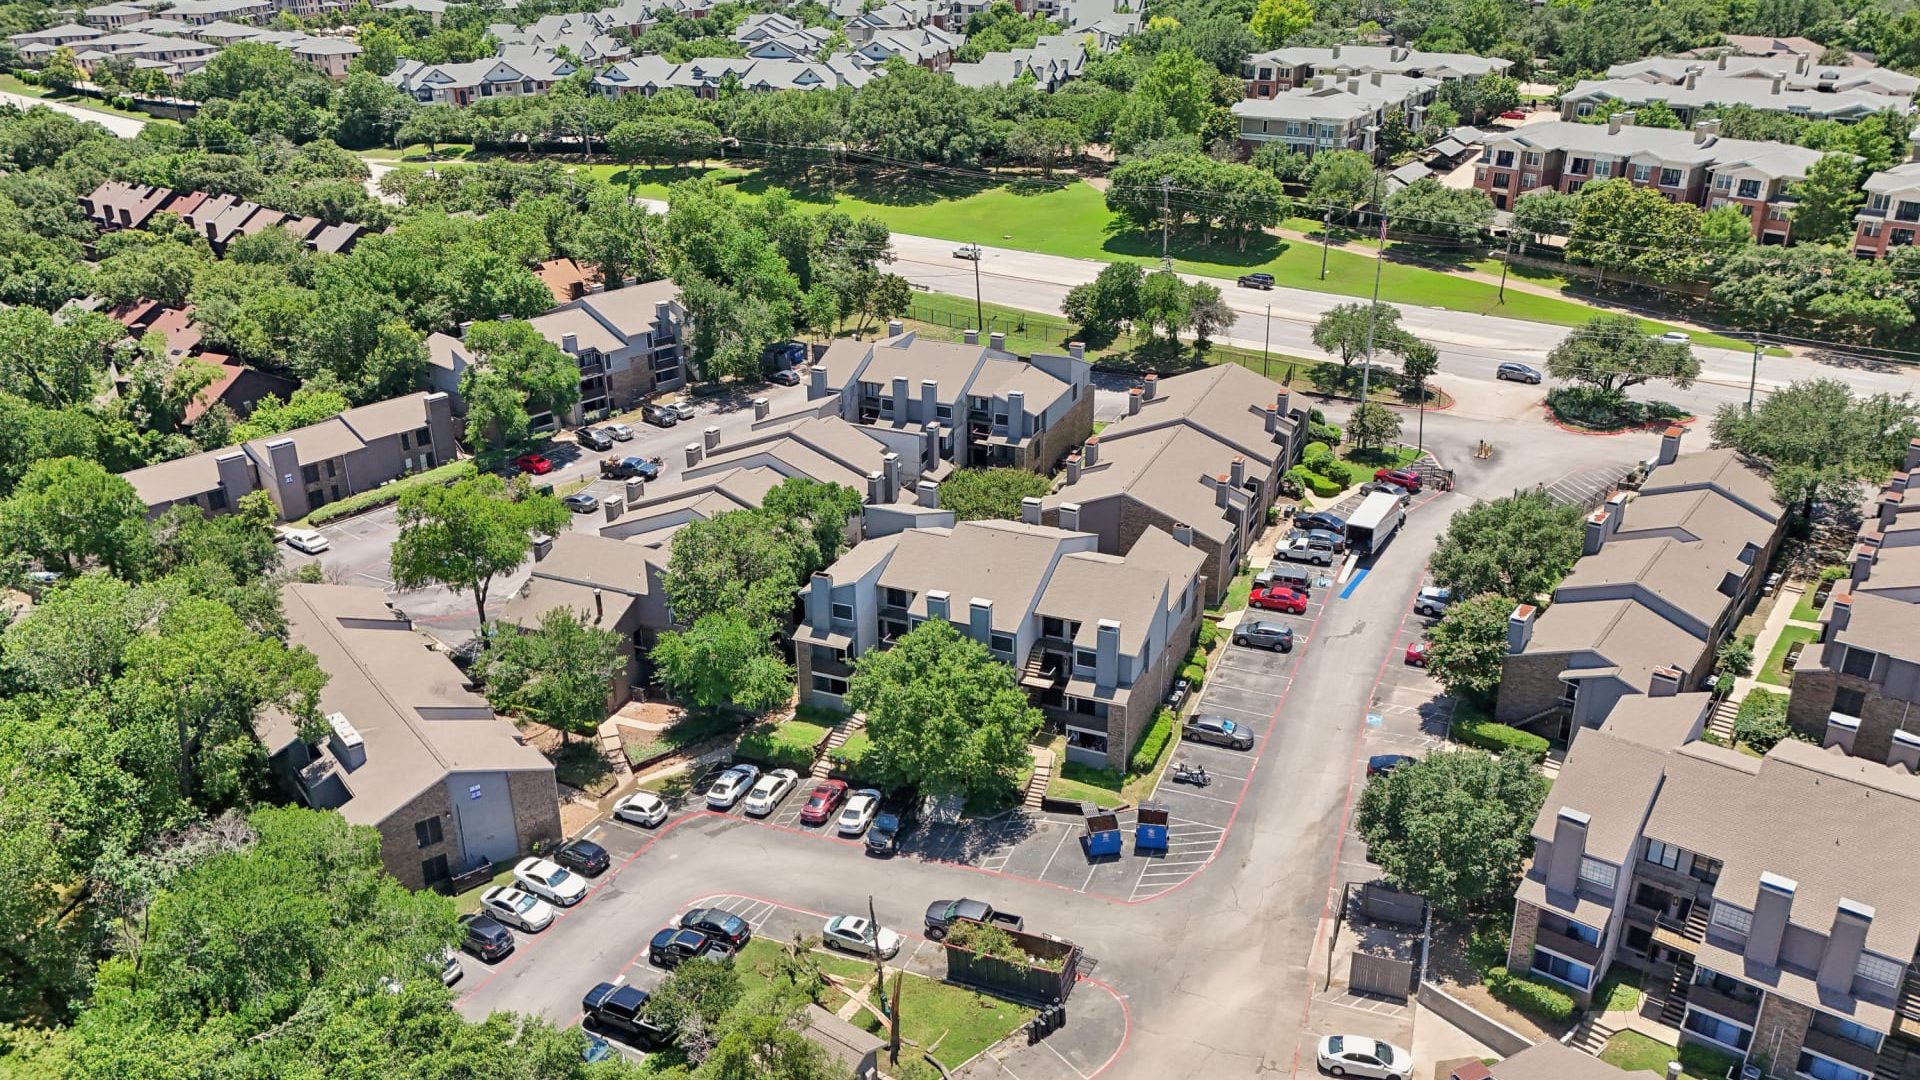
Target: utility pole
(1373, 313)
(1753, 378)
(880, 984)
(1166, 183)
(1326, 239)
(1420, 440)
(1266, 340)
(1503, 267)
(979, 309)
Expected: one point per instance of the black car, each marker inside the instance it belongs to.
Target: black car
(659, 416)
(889, 825)
(623, 468)
(621, 1010)
(1320, 519)
(1256, 281)
(672, 947)
(582, 503)
(485, 938)
(715, 923)
(1385, 763)
(594, 438)
(583, 856)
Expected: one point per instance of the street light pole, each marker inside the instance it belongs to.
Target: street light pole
(1753, 377)
(1166, 182)
(1326, 240)
(979, 309)
(1503, 267)
(1373, 313)
(1266, 340)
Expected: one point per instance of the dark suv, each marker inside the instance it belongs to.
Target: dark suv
(716, 923)
(584, 856)
(1264, 635)
(485, 938)
(594, 438)
(672, 947)
(620, 1009)
(1256, 281)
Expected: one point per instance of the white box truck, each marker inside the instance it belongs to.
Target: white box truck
(1371, 526)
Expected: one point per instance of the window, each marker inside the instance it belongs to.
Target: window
(1669, 177)
(428, 832)
(1293, 128)
(1504, 159)
(1086, 658)
(843, 612)
(434, 871)
(1003, 643)
(1531, 157)
(1600, 873)
(896, 597)
(1749, 189)
(406, 442)
(1711, 1027)
(1858, 663)
(828, 684)
(943, 412)
(1900, 238)
(1501, 180)
(1907, 211)
(423, 437)
(310, 473)
(1822, 1068)
(1561, 969)
(1052, 628)
(1776, 213)
(1870, 228)
(1879, 969)
(999, 419)
(1529, 180)
(1723, 183)
(1738, 920)
(217, 499)
(1579, 166)
(1641, 172)
(1849, 702)
(1877, 202)
(1858, 1034)
(1602, 168)
(330, 470)
(1663, 854)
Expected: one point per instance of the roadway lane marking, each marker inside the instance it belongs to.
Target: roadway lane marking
(593, 832)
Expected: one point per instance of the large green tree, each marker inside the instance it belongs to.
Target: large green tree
(976, 494)
(558, 673)
(1454, 827)
(1467, 648)
(1826, 199)
(465, 535)
(515, 373)
(1516, 545)
(69, 513)
(1820, 441)
(725, 658)
(1612, 354)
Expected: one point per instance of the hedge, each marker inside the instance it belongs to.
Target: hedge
(1538, 1000)
(1314, 482)
(1762, 720)
(1146, 753)
(1208, 637)
(386, 493)
(1499, 738)
(1195, 674)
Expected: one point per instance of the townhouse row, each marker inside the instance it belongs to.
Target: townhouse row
(175, 43)
(218, 218)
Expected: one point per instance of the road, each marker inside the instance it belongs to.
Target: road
(124, 126)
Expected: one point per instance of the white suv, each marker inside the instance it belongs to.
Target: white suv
(1433, 601)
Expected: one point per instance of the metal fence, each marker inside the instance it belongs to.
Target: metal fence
(1023, 324)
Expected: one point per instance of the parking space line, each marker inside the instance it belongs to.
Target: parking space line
(1063, 1059)
(1209, 798)
(1056, 852)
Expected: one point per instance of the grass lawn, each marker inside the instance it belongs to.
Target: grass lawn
(963, 1022)
(1361, 464)
(1804, 610)
(1237, 592)
(1774, 672)
(690, 729)
(417, 152)
(946, 318)
(1633, 1052)
(1096, 786)
(12, 84)
(1620, 992)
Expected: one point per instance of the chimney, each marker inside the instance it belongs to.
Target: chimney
(1614, 122)
(761, 407)
(997, 341)
(899, 395)
(1283, 403)
(1569, 848)
(1779, 80)
(662, 313)
(1090, 453)
(1183, 533)
(636, 489)
(1221, 491)
(820, 602)
(1133, 401)
(569, 343)
(345, 742)
(1723, 62)
(1238, 471)
(1771, 910)
(980, 621)
(1702, 130)
(1842, 730)
(712, 438)
(1670, 444)
(1336, 52)
(939, 605)
(1376, 78)
(930, 446)
(1693, 76)
(1897, 483)
(1353, 86)
(1106, 666)
(1905, 751)
(1863, 558)
(613, 506)
(894, 328)
(1073, 468)
(1839, 613)
(817, 383)
(1520, 628)
(1016, 414)
(971, 337)
(1150, 386)
(876, 488)
(1273, 420)
(1077, 350)
(1889, 508)
(1800, 63)
(1913, 455)
(929, 400)
(1845, 942)
(1665, 682)
(599, 606)
(890, 476)
(693, 454)
(1070, 516)
(126, 218)
(1030, 510)
(1596, 533)
(927, 493)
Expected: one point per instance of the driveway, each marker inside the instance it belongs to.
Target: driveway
(124, 126)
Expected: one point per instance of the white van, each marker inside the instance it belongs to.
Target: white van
(1306, 549)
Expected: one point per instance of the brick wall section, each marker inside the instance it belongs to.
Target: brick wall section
(536, 807)
(1135, 517)
(1813, 693)
(400, 849)
(1126, 724)
(1046, 448)
(1526, 928)
(1529, 683)
(1778, 1033)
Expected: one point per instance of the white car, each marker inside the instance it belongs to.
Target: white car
(858, 813)
(1433, 601)
(731, 785)
(618, 432)
(1355, 1055)
(769, 791)
(860, 936)
(551, 882)
(306, 540)
(516, 908)
(682, 409)
(641, 808)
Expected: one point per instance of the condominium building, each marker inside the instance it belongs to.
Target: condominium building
(1270, 73)
(1891, 215)
(1332, 112)
(1701, 91)
(1794, 72)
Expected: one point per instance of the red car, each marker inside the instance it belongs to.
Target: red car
(1276, 598)
(823, 802)
(1404, 478)
(1416, 654)
(1513, 114)
(533, 463)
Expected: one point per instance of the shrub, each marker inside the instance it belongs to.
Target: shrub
(1487, 948)
(1538, 1000)
(381, 496)
(1208, 637)
(1318, 457)
(1314, 482)
(1146, 753)
(1499, 738)
(1601, 410)
(791, 745)
(1195, 674)
(1289, 486)
(1323, 432)
(1831, 574)
(1762, 720)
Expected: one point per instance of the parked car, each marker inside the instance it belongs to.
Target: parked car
(1353, 1055)
(716, 923)
(583, 857)
(1264, 635)
(822, 803)
(1256, 281)
(1402, 478)
(1278, 598)
(1675, 337)
(969, 252)
(582, 503)
(302, 540)
(1514, 114)
(537, 464)
(767, 794)
(659, 416)
(623, 467)
(1433, 601)
(1335, 540)
(1217, 730)
(1373, 486)
(1305, 548)
(730, 786)
(593, 438)
(517, 908)
(550, 881)
(483, 936)
(618, 432)
(672, 947)
(942, 914)
(641, 808)
(1380, 764)
(620, 1009)
(860, 936)
(785, 377)
(450, 969)
(1320, 519)
(858, 813)
(682, 408)
(889, 825)
(1517, 373)
(1417, 653)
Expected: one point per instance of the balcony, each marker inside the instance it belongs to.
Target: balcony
(1685, 937)
(1570, 947)
(1738, 1010)
(1845, 1051)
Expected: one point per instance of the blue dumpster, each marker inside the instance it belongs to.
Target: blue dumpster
(1103, 832)
(1150, 830)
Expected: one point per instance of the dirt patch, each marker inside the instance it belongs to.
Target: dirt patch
(1448, 966)
(579, 763)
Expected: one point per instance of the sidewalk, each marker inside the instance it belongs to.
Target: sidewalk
(1777, 622)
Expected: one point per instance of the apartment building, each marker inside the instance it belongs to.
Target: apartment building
(1696, 166)
(1794, 71)
(610, 584)
(1095, 638)
(1664, 576)
(1699, 91)
(479, 80)
(629, 342)
(703, 77)
(1861, 679)
(1054, 61)
(1891, 215)
(411, 750)
(1761, 897)
(309, 467)
(978, 405)
(219, 218)
(1197, 456)
(1332, 112)
(1271, 73)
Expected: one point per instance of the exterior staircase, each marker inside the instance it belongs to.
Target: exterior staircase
(1720, 723)
(1591, 1037)
(1037, 783)
(1896, 1060)
(1696, 924)
(1673, 1003)
(823, 763)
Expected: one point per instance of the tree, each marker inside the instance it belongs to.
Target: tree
(1208, 313)
(1346, 330)
(465, 535)
(1454, 827)
(946, 718)
(1428, 208)
(812, 518)
(306, 405)
(1467, 648)
(1657, 114)
(55, 363)
(1418, 362)
(1109, 302)
(1043, 141)
(1274, 21)
(1342, 180)
(1820, 442)
(725, 658)
(1544, 213)
(1518, 545)
(68, 513)
(736, 562)
(981, 494)
(1635, 230)
(694, 1003)
(1827, 199)
(1163, 302)
(62, 70)
(514, 372)
(433, 125)
(558, 673)
(1372, 426)
(1612, 354)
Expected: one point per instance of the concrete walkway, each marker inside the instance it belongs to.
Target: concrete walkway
(1777, 622)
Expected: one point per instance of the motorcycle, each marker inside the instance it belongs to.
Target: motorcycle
(1194, 774)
